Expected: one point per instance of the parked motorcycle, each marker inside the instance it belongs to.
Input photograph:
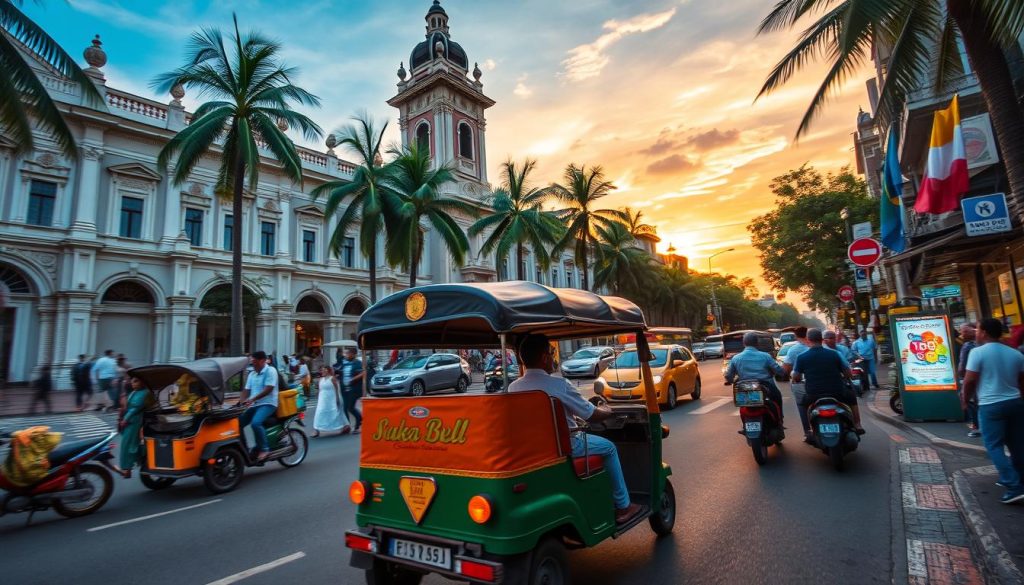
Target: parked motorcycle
(494, 379)
(861, 383)
(74, 486)
(834, 433)
(762, 420)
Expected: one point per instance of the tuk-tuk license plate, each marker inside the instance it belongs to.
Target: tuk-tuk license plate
(752, 426)
(427, 554)
(832, 428)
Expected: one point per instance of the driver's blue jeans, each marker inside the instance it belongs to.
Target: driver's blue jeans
(255, 416)
(596, 445)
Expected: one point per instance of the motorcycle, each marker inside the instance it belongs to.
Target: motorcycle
(73, 486)
(861, 383)
(834, 433)
(761, 418)
(494, 380)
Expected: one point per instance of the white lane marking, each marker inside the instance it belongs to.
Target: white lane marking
(904, 456)
(909, 495)
(916, 565)
(712, 406)
(151, 516)
(258, 569)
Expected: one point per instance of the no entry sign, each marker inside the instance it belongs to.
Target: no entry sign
(865, 252)
(846, 293)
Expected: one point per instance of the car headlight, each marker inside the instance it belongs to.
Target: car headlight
(400, 378)
(657, 379)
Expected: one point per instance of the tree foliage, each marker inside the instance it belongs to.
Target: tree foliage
(803, 241)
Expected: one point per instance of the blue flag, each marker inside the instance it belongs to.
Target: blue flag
(893, 236)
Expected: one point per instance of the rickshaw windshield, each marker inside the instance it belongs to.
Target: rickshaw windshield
(630, 360)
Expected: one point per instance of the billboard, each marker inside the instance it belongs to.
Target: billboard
(925, 352)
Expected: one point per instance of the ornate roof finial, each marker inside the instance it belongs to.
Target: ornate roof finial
(282, 124)
(476, 71)
(331, 142)
(401, 71)
(94, 55)
(177, 92)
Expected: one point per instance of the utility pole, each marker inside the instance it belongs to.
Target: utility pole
(716, 310)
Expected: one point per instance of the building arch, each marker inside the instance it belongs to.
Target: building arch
(213, 283)
(116, 281)
(123, 317)
(466, 141)
(35, 276)
(422, 135)
(21, 289)
(324, 299)
(355, 305)
(313, 313)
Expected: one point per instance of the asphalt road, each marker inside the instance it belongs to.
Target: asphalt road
(794, 520)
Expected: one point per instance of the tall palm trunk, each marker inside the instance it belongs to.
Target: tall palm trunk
(415, 264)
(371, 258)
(237, 325)
(990, 67)
(520, 269)
(585, 281)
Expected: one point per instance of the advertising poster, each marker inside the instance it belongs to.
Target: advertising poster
(925, 352)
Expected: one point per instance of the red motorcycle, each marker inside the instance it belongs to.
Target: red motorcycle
(74, 486)
(761, 418)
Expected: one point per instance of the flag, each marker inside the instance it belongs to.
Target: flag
(945, 176)
(892, 202)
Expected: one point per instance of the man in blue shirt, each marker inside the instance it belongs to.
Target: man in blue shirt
(350, 372)
(753, 364)
(829, 338)
(865, 347)
(260, 396)
(824, 371)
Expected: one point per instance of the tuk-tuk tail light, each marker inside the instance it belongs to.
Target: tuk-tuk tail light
(357, 491)
(359, 542)
(479, 570)
(480, 509)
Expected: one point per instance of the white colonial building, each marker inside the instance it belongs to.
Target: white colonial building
(106, 252)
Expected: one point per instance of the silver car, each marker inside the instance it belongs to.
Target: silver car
(587, 362)
(417, 375)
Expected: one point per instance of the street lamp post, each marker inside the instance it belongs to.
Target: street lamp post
(844, 213)
(715, 310)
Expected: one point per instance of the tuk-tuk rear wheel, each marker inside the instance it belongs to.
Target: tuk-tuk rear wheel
(388, 573)
(549, 564)
(156, 483)
(664, 517)
(225, 473)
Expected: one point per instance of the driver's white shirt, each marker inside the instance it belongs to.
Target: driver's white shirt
(572, 400)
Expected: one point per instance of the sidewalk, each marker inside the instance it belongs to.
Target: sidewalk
(17, 401)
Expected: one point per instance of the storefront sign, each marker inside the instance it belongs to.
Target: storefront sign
(979, 143)
(924, 352)
(986, 214)
(946, 291)
(862, 230)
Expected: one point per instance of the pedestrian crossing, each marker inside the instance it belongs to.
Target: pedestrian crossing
(75, 426)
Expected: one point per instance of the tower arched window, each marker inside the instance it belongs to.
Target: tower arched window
(465, 141)
(423, 136)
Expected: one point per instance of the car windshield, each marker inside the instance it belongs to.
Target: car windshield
(628, 359)
(413, 362)
(787, 337)
(714, 345)
(585, 354)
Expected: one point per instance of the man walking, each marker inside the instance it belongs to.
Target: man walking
(967, 332)
(104, 371)
(351, 372)
(83, 382)
(995, 375)
(865, 347)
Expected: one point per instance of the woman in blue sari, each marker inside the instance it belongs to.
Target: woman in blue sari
(140, 399)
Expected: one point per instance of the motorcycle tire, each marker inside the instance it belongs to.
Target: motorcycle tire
(760, 452)
(664, 517)
(87, 475)
(835, 454)
(225, 473)
(297, 438)
(156, 483)
(896, 402)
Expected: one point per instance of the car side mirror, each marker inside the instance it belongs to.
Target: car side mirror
(429, 366)
(677, 363)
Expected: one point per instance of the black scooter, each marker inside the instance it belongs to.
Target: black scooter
(762, 421)
(494, 379)
(834, 432)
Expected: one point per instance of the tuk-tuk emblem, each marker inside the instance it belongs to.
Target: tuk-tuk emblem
(418, 493)
(419, 412)
(415, 306)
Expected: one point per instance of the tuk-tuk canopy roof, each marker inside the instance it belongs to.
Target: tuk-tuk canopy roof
(212, 374)
(465, 316)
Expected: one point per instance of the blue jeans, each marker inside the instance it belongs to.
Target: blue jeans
(255, 416)
(596, 445)
(870, 365)
(1002, 424)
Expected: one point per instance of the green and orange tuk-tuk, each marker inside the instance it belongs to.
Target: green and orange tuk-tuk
(483, 487)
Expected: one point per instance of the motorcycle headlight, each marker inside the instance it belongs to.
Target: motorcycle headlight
(657, 379)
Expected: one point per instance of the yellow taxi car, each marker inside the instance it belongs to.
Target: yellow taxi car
(674, 369)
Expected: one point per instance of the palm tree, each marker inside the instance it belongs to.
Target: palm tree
(635, 224)
(622, 266)
(20, 89)
(580, 192)
(518, 219)
(251, 92)
(415, 185)
(370, 204)
(847, 31)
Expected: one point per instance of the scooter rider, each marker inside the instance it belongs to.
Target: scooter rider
(824, 370)
(753, 364)
(260, 396)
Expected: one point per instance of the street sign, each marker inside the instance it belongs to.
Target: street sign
(846, 293)
(946, 291)
(986, 214)
(860, 276)
(862, 230)
(864, 252)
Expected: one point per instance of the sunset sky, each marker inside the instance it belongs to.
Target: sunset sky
(659, 92)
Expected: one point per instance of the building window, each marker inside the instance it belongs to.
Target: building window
(229, 229)
(554, 277)
(308, 246)
(465, 141)
(41, 197)
(423, 136)
(194, 226)
(131, 217)
(569, 276)
(522, 269)
(348, 253)
(538, 275)
(267, 247)
(504, 268)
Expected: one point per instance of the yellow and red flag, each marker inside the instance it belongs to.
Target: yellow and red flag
(945, 176)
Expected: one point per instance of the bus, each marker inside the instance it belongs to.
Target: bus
(661, 336)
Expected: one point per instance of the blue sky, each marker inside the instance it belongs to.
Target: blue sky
(659, 92)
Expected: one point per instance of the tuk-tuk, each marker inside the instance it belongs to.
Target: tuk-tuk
(192, 432)
(484, 487)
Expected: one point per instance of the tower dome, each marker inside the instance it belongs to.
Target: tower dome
(438, 43)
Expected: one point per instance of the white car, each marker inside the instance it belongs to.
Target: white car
(587, 362)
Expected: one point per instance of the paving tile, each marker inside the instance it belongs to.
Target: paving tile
(951, 565)
(924, 455)
(935, 496)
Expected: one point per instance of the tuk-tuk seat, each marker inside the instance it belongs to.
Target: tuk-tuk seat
(584, 466)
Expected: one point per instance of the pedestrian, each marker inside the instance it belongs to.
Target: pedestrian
(995, 375)
(329, 411)
(121, 383)
(351, 372)
(104, 371)
(43, 386)
(305, 378)
(82, 381)
(129, 424)
(967, 333)
(865, 347)
(1016, 339)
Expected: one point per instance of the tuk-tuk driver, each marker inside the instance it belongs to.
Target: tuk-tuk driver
(536, 354)
(260, 396)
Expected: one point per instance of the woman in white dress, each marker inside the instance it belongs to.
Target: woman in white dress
(329, 416)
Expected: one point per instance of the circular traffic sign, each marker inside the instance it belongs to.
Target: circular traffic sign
(845, 293)
(864, 252)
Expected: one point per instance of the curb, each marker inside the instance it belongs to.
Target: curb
(910, 427)
(998, 563)
(898, 535)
